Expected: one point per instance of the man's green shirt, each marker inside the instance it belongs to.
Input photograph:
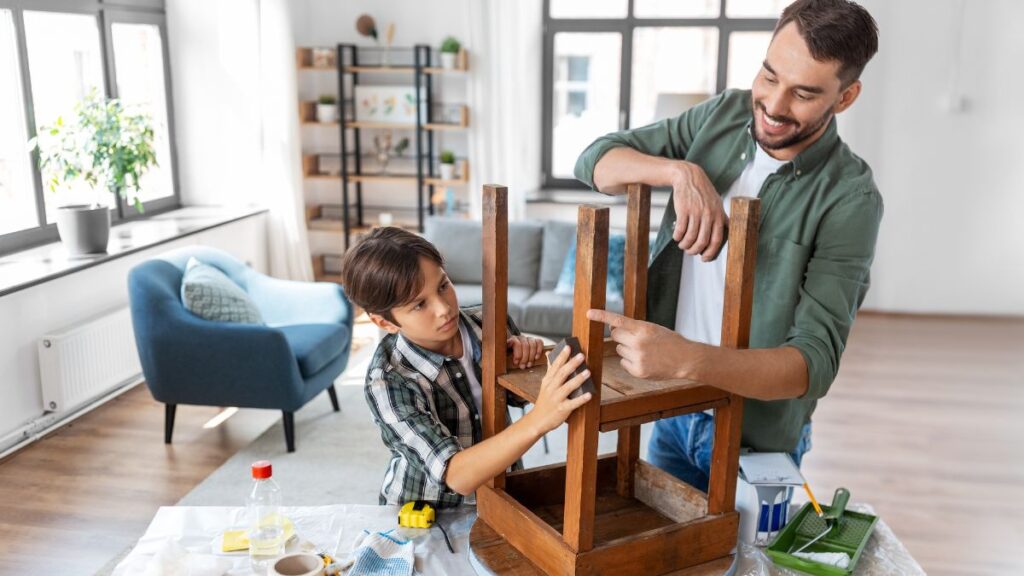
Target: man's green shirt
(819, 221)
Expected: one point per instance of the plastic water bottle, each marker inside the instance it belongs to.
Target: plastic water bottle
(263, 507)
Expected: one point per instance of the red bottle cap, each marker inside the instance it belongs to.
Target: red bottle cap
(261, 469)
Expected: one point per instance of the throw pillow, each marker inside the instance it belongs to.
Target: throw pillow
(210, 294)
(616, 269)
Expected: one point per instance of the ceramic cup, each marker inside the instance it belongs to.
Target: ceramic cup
(302, 564)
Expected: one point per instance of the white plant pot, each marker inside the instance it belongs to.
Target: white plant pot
(327, 112)
(447, 171)
(448, 60)
(84, 229)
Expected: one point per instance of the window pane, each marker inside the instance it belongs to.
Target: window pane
(586, 94)
(139, 62)
(17, 194)
(588, 8)
(755, 8)
(65, 63)
(673, 69)
(746, 53)
(676, 8)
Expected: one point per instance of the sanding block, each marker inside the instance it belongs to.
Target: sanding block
(574, 348)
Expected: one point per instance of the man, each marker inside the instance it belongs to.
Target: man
(820, 212)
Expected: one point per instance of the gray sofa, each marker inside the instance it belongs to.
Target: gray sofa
(536, 254)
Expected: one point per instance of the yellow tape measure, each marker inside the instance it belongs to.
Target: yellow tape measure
(416, 514)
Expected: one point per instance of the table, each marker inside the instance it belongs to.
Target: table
(333, 529)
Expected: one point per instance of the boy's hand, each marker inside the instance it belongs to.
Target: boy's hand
(553, 403)
(525, 350)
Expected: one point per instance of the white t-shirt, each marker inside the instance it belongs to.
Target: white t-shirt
(702, 285)
(467, 366)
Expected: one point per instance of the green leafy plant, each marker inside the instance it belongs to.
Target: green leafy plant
(450, 45)
(327, 99)
(447, 157)
(106, 145)
(402, 146)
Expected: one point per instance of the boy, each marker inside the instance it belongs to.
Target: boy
(423, 384)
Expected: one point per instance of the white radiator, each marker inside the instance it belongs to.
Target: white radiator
(85, 361)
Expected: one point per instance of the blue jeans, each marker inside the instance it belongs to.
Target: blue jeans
(681, 446)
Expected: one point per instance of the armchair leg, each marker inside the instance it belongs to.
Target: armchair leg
(334, 398)
(289, 430)
(169, 410)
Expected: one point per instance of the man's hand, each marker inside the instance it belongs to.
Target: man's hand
(700, 217)
(648, 351)
(525, 351)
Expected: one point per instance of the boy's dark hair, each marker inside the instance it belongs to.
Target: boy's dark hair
(383, 270)
(837, 30)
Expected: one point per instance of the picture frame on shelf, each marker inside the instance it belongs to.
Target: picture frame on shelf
(387, 104)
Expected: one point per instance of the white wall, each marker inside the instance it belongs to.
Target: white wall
(65, 301)
(953, 181)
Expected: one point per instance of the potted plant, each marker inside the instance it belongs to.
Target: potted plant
(327, 108)
(401, 147)
(106, 146)
(447, 165)
(449, 50)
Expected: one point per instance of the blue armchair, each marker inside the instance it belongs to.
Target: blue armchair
(298, 354)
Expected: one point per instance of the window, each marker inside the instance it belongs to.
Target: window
(55, 52)
(613, 64)
(17, 193)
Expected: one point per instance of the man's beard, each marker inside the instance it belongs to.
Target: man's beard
(793, 140)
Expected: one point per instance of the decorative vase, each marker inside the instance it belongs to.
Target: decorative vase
(382, 142)
(84, 229)
(448, 60)
(326, 112)
(447, 171)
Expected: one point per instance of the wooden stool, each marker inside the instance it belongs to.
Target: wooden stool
(615, 514)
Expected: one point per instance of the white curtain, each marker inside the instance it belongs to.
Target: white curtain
(236, 102)
(505, 39)
(281, 156)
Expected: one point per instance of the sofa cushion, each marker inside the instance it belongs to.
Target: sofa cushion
(550, 314)
(460, 242)
(472, 295)
(315, 345)
(616, 269)
(558, 237)
(210, 294)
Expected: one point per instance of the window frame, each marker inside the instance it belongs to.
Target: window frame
(106, 14)
(625, 27)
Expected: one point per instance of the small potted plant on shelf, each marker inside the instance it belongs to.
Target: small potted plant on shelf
(401, 147)
(447, 165)
(449, 50)
(327, 108)
(106, 147)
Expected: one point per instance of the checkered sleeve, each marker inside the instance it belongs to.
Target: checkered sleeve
(400, 409)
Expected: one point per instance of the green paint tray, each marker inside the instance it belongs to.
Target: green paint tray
(849, 536)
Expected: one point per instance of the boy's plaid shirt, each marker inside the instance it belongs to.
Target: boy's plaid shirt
(424, 407)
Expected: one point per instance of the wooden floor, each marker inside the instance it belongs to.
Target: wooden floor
(926, 422)
(74, 500)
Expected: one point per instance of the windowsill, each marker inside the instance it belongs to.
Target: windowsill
(34, 266)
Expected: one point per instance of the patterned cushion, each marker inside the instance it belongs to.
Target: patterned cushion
(210, 294)
(616, 269)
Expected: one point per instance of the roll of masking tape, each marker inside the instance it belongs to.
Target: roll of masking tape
(301, 564)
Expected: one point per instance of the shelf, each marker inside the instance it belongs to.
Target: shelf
(379, 69)
(438, 70)
(318, 269)
(380, 125)
(392, 179)
(440, 127)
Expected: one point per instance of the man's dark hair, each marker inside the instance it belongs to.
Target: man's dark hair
(383, 270)
(837, 30)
